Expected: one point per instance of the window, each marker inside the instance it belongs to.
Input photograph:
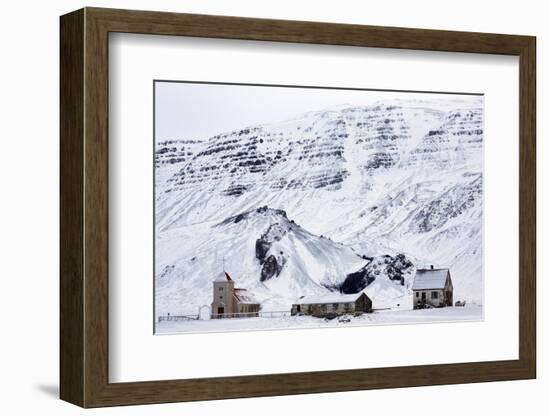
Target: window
(221, 297)
(435, 295)
(417, 294)
(220, 289)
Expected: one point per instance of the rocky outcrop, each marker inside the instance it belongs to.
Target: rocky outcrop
(262, 248)
(357, 281)
(384, 267)
(274, 233)
(272, 267)
(237, 162)
(455, 201)
(175, 152)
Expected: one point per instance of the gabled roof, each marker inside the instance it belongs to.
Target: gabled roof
(334, 298)
(243, 296)
(430, 279)
(223, 277)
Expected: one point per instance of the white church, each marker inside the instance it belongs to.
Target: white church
(231, 302)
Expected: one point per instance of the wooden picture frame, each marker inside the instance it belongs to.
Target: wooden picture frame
(84, 207)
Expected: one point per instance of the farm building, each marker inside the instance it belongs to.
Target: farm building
(332, 306)
(432, 287)
(229, 301)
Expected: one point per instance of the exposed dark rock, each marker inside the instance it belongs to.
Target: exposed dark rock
(262, 247)
(238, 218)
(397, 266)
(168, 269)
(248, 214)
(394, 267)
(236, 190)
(357, 281)
(274, 233)
(380, 160)
(450, 204)
(270, 269)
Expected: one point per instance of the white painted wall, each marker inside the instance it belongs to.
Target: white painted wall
(29, 209)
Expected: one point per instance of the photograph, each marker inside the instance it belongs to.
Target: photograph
(291, 207)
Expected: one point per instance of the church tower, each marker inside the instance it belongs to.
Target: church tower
(223, 296)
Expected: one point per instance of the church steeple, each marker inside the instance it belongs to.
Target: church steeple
(223, 295)
(223, 277)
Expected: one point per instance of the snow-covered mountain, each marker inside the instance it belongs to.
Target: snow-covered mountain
(362, 185)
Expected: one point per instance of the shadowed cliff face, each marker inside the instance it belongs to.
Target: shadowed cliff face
(321, 154)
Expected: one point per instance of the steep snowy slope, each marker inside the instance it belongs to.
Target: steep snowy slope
(265, 252)
(170, 155)
(305, 263)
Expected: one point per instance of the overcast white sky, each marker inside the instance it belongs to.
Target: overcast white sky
(199, 111)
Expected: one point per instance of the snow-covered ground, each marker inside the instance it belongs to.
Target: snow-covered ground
(383, 317)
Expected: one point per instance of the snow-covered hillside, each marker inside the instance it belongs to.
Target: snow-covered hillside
(268, 254)
(295, 208)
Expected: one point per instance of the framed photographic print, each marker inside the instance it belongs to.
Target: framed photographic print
(255, 207)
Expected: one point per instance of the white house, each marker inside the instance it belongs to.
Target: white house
(432, 287)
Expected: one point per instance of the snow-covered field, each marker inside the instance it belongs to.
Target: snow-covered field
(384, 317)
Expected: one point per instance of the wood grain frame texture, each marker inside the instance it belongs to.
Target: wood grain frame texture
(84, 207)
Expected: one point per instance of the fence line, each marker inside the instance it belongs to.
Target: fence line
(274, 314)
(270, 314)
(178, 318)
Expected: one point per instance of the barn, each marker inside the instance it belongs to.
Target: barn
(332, 306)
(432, 288)
(229, 301)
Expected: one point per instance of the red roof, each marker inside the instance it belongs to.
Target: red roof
(243, 296)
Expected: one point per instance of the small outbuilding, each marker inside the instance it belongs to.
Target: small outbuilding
(332, 305)
(432, 288)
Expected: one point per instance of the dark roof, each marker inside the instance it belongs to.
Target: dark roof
(331, 298)
(430, 279)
